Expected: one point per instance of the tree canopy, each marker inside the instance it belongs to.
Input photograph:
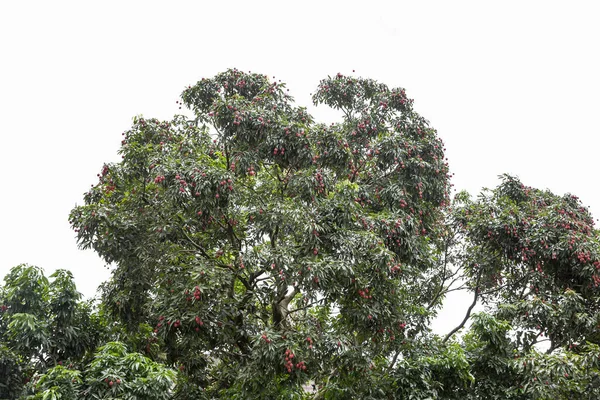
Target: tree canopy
(257, 253)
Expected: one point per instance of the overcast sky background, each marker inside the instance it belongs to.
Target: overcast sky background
(511, 86)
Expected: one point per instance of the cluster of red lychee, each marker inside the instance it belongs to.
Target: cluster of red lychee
(310, 342)
(289, 357)
(196, 295)
(320, 182)
(364, 293)
(159, 324)
(289, 363)
(237, 118)
(265, 338)
(199, 322)
(227, 182)
(584, 257)
(176, 324)
(111, 383)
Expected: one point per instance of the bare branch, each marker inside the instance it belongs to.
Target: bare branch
(468, 315)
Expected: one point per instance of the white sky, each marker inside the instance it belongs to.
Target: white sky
(511, 86)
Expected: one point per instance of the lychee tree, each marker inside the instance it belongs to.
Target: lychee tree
(270, 251)
(261, 254)
(537, 255)
(533, 258)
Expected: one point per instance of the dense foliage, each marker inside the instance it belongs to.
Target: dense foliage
(259, 254)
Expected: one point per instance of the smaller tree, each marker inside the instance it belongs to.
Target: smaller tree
(43, 324)
(44, 321)
(12, 373)
(57, 383)
(535, 258)
(113, 373)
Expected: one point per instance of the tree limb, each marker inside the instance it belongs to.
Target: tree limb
(468, 315)
(280, 307)
(391, 366)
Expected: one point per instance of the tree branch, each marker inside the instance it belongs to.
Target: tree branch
(468, 315)
(305, 307)
(391, 366)
(280, 307)
(196, 245)
(441, 289)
